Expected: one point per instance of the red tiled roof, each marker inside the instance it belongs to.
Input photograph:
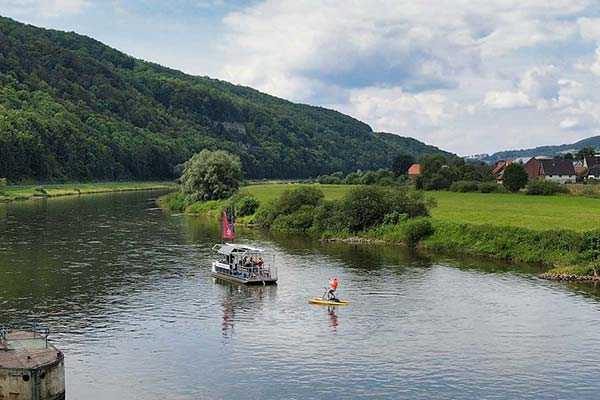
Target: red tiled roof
(415, 169)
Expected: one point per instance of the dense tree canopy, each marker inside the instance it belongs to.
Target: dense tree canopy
(211, 175)
(402, 163)
(515, 177)
(73, 108)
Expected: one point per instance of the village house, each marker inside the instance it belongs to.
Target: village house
(414, 170)
(594, 173)
(499, 168)
(551, 169)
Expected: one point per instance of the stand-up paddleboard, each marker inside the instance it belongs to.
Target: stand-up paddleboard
(318, 300)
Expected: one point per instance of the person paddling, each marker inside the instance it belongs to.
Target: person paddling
(333, 284)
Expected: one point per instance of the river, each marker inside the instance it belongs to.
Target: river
(126, 291)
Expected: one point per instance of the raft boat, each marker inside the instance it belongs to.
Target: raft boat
(243, 264)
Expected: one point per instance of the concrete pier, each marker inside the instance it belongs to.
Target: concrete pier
(30, 367)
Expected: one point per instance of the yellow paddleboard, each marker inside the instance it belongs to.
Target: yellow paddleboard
(318, 300)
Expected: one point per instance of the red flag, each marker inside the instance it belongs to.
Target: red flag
(228, 226)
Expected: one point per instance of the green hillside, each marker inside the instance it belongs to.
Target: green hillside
(593, 141)
(73, 108)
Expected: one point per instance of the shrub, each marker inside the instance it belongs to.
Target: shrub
(211, 175)
(590, 191)
(401, 164)
(394, 218)
(292, 200)
(490, 187)
(369, 178)
(464, 186)
(245, 204)
(299, 221)
(364, 207)
(416, 230)
(329, 180)
(3, 182)
(175, 201)
(515, 177)
(437, 182)
(353, 178)
(328, 216)
(266, 214)
(386, 181)
(409, 202)
(545, 188)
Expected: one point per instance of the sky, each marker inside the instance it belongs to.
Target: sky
(469, 76)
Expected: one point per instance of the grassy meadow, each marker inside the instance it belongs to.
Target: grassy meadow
(10, 193)
(576, 213)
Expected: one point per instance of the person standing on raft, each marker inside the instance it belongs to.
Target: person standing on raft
(333, 284)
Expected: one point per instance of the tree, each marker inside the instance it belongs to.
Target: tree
(515, 177)
(364, 207)
(586, 152)
(211, 175)
(402, 163)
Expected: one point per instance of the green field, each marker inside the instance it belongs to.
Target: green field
(10, 193)
(519, 210)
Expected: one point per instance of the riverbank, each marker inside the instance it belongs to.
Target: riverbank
(558, 232)
(27, 192)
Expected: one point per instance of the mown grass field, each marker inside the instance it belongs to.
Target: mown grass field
(9, 193)
(518, 210)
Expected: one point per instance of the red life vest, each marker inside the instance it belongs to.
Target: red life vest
(333, 283)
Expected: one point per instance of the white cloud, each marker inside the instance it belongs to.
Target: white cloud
(589, 28)
(570, 123)
(45, 8)
(418, 68)
(506, 100)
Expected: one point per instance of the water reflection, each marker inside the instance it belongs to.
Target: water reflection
(242, 300)
(128, 291)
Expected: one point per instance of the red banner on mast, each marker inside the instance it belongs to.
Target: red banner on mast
(228, 225)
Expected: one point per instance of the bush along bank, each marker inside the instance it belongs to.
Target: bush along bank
(365, 213)
(376, 214)
(572, 255)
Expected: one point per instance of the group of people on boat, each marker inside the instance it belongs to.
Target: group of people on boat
(252, 261)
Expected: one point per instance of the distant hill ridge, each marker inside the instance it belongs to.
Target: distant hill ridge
(74, 108)
(593, 141)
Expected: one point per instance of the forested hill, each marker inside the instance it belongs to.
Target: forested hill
(73, 108)
(593, 141)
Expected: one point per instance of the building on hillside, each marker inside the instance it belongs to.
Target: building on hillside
(414, 170)
(591, 161)
(499, 167)
(594, 173)
(580, 169)
(551, 169)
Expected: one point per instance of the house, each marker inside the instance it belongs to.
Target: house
(499, 167)
(414, 170)
(591, 161)
(551, 169)
(580, 169)
(594, 173)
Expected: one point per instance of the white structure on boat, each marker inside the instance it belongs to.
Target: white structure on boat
(30, 367)
(243, 264)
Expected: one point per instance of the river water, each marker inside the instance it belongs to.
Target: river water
(127, 293)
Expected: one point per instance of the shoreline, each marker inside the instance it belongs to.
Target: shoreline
(557, 251)
(9, 194)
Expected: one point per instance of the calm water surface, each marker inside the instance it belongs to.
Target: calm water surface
(127, 292)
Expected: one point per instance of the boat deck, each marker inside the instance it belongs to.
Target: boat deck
(26, 350)
(265, 280)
